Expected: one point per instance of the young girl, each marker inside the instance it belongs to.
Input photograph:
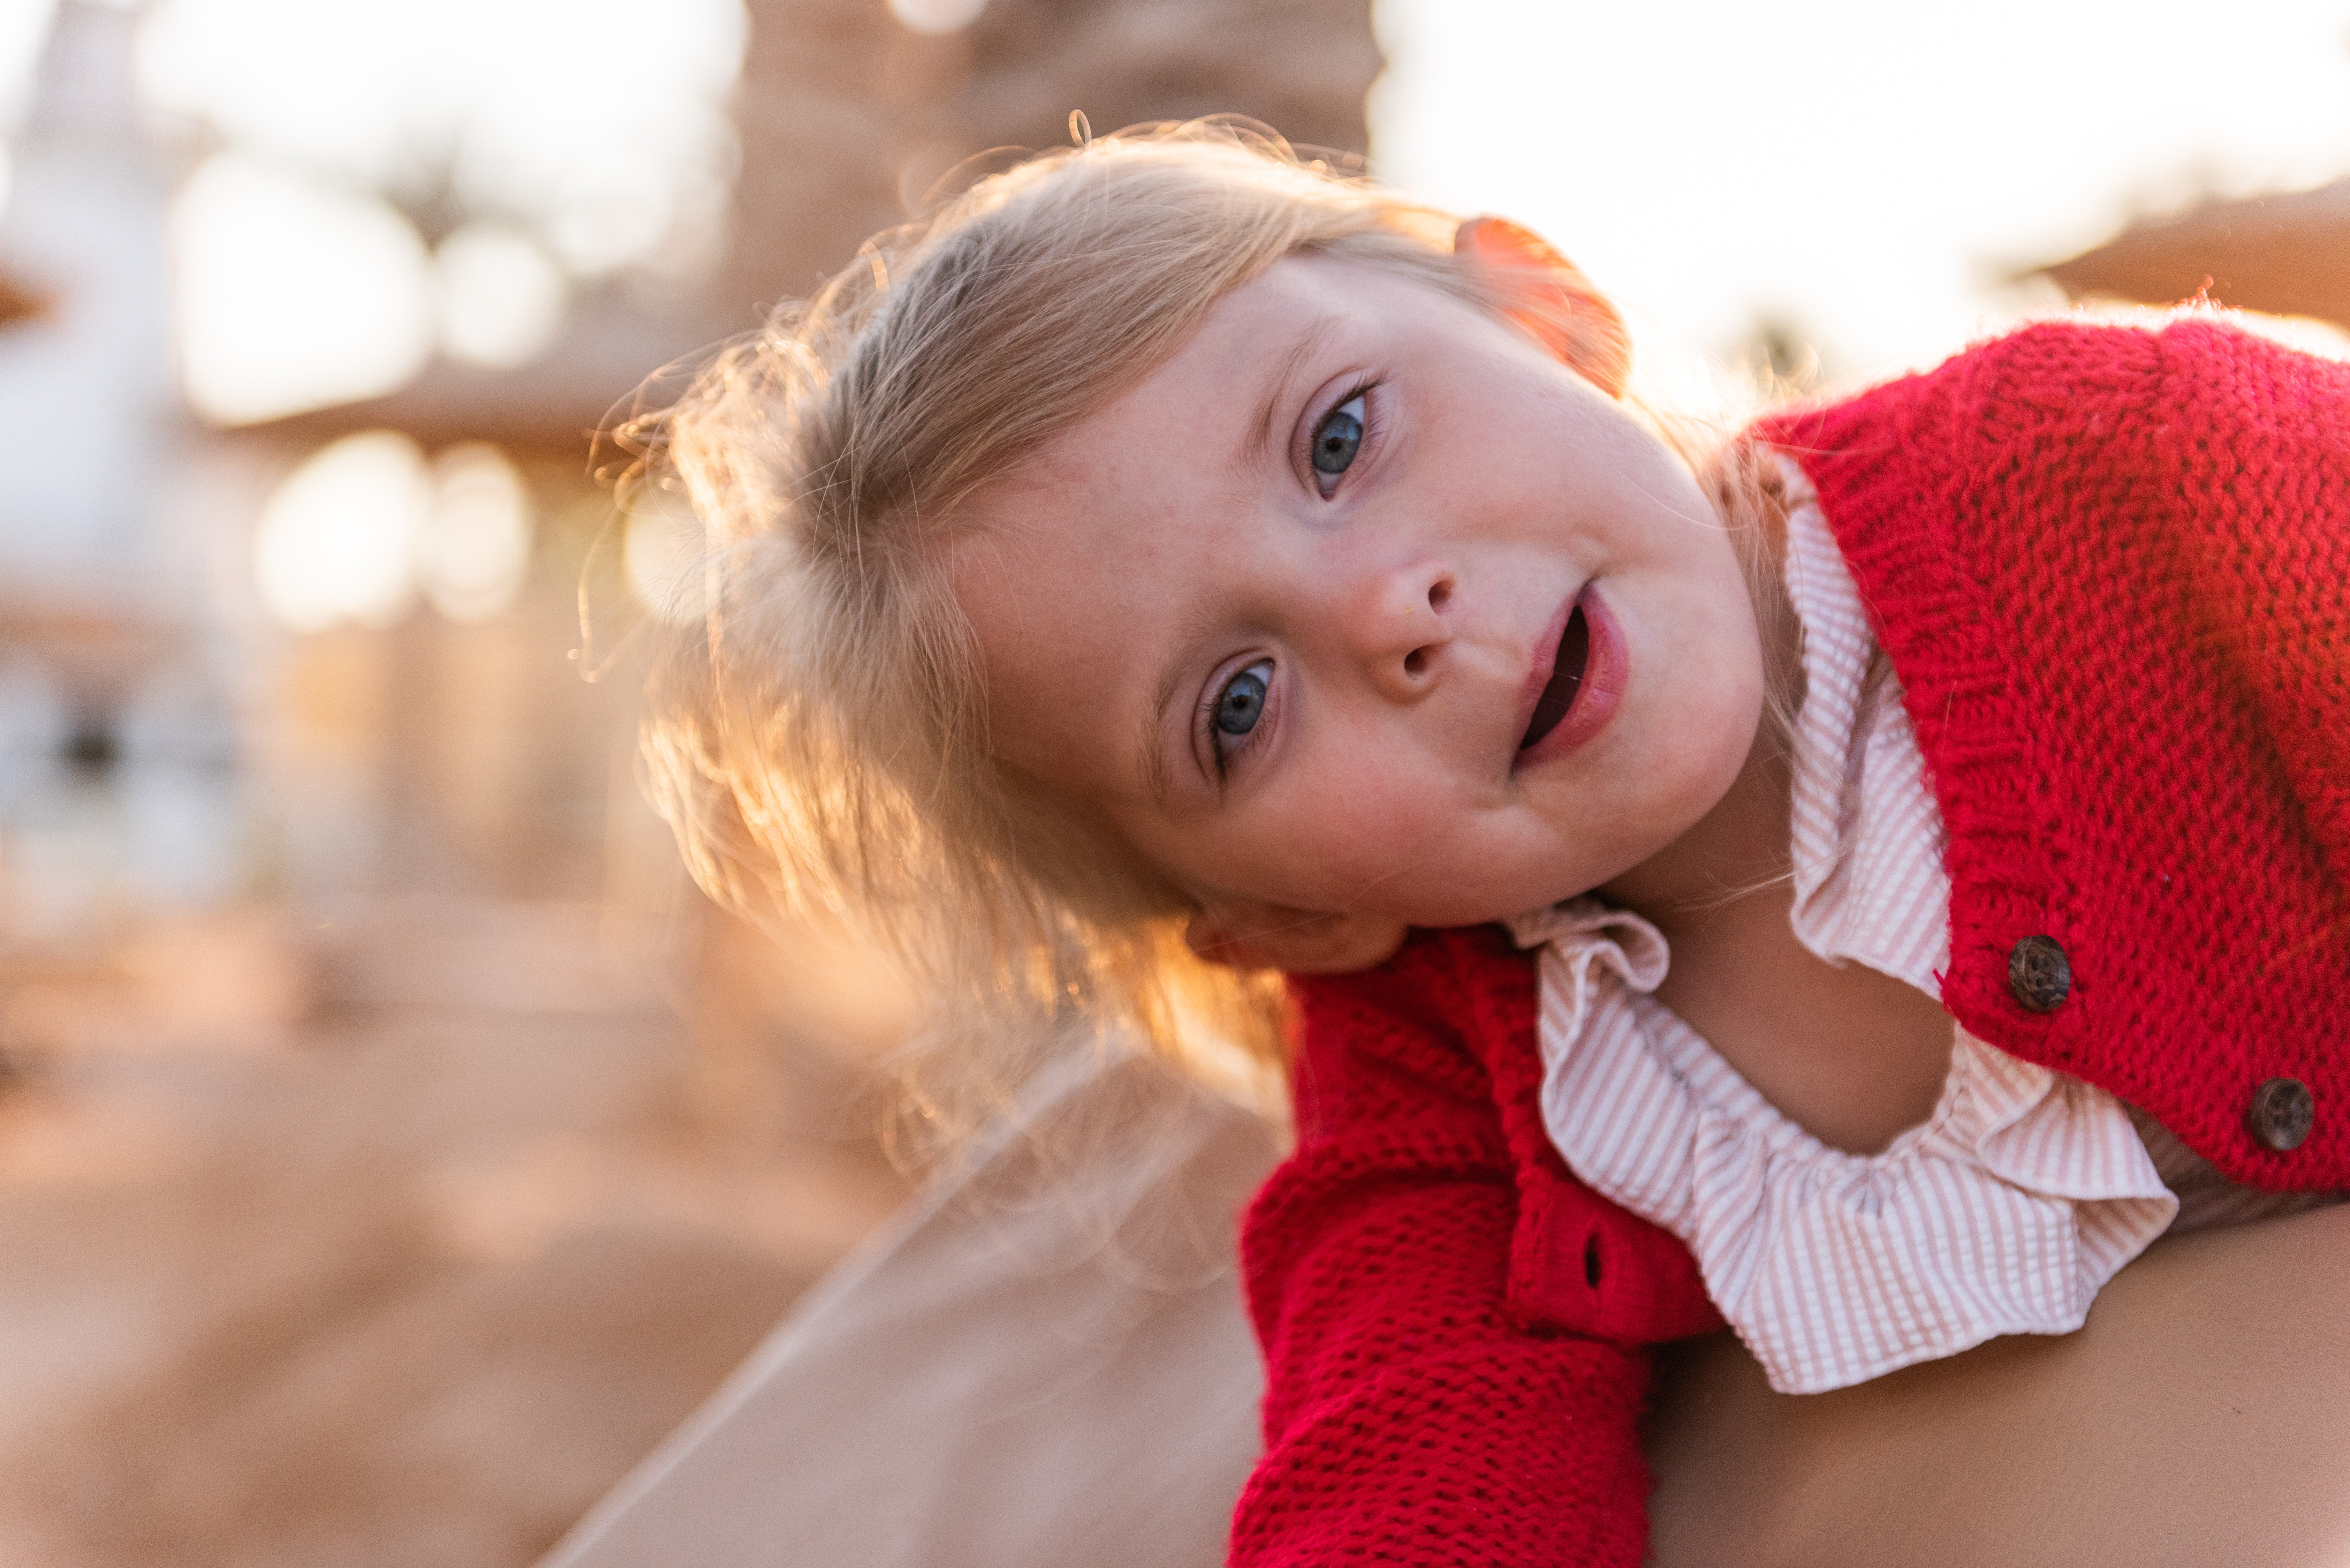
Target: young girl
(1921, 824)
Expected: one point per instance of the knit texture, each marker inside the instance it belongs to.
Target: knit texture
(1453, 1327)
(2112, 568)
(2109, 567)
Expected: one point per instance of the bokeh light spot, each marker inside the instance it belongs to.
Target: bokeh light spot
(474, 551)
(338, 539)
(501, 296)
(664, 552)
(937, 17)
(293, 294)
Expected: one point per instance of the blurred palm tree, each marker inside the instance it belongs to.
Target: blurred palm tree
(2287, 254)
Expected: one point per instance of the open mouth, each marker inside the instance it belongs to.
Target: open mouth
(1565, 679)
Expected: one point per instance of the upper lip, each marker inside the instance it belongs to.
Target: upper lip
(1546, 662)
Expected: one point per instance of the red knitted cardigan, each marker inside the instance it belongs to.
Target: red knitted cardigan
(2112, 568)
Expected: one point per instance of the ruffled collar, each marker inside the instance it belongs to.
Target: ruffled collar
(2005, 1212)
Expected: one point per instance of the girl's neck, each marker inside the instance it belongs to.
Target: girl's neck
(1851, 1055)
(1737, 850)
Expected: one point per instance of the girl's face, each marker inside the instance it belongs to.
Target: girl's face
(1361, 603)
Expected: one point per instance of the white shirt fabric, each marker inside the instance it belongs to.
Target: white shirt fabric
(2003, 1212)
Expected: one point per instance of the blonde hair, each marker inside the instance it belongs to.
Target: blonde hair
(817, 740)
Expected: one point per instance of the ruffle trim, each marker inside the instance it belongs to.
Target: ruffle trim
(2005, 1212)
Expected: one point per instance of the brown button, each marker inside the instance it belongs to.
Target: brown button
(2039, 974)
(2280, 1115)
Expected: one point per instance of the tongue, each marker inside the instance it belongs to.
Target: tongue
(1565, 680)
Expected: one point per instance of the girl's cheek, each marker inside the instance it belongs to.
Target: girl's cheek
(1372, 834)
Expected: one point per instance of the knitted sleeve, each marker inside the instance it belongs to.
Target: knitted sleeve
(1427, 1400)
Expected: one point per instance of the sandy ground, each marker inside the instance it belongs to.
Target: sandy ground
(396, 1239)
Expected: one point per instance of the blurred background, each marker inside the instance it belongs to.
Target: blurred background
(393, 1146)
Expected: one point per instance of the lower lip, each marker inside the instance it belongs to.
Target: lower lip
(1601, 692)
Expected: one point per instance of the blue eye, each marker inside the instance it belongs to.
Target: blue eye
(1241, 701)
(1339, 437)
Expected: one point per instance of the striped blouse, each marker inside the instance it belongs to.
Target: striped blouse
(2003, 1212)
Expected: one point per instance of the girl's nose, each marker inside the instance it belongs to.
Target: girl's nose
(1397, 625)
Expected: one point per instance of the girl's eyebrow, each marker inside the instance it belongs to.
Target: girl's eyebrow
(1268, 408)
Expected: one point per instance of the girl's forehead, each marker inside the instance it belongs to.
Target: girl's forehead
(1173, 409)
(1230, 349)
(1262, 321)
(1221, 399)
(1244, 350)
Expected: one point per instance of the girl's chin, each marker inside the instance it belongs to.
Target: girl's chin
(1501, 901)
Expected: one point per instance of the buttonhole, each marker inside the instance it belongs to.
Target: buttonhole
(1591, 1259)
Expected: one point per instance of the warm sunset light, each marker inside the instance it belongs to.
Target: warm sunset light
(365, 525)
(292, 292)
(473, 549)
(337, 540)
(690, 794)
(301, 286)
(662, 553)
(1865, 174)
(501, 296)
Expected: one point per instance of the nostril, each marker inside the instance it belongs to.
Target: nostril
(1441, 594)
(1415, 661)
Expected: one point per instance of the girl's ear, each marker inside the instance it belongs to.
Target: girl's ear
(1246, 934)
(1548, 297)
